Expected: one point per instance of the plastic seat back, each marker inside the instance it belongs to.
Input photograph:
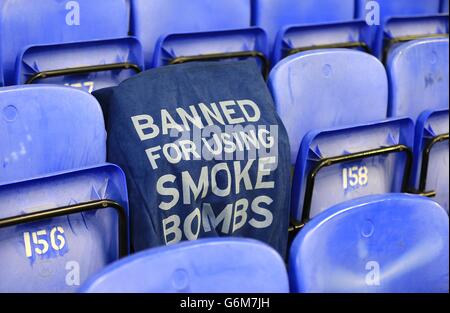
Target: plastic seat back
(156, 18)
(327, 88)
(297, 38)
(202, 266)
(419, 77)
(213, 45)
(58, 21)
(376, 244)
(431, 153)
(46, 129)
(398, 30)
(89, 65)
(273, 15)
(336, 165)
(57, 253)
(400, 19)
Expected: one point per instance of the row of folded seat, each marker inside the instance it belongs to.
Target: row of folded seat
(334, 104)
(94, 45)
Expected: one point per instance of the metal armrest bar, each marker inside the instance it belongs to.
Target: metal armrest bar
(83, 70)
(72, 209)
(228, 55)
(349, 45)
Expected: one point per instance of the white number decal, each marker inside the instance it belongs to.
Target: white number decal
(60, 238)
(27, 241)
(355, 177)
(38, 240)
(73, 16)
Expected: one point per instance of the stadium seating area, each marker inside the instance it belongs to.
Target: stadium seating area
(361, 87)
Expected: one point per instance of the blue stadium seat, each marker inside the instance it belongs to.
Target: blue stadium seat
(156, 18)
(327, 88)
(389, 26)
(398, 30)
(213, 45)
(226, 265)
(57, 230)
(29, 22)
(419, 77)
(431, 153)
(48, 129)
(293, 39)
(390, 243)
(340, 164)
(273, 15)
(89, 65)
(58, 195)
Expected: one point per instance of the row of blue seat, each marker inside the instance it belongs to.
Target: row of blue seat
(290, 22)
(74, 46)
(358, 246)
(348, 90)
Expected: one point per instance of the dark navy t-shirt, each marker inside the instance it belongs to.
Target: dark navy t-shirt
(204, 153)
